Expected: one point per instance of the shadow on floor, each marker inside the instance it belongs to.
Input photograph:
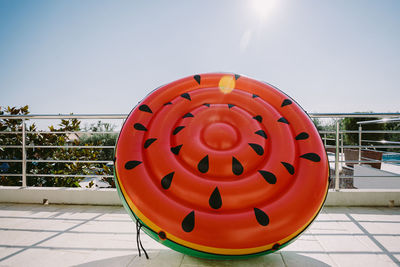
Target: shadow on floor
(172, 258)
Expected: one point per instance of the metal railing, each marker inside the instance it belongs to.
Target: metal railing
(334, 140)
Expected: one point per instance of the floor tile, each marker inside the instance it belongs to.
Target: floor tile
(65, 235)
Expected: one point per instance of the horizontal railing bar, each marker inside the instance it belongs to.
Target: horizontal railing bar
(58, 175)
(63, 132)
(381, 146)
(9, 132)
(65, 116)
(385, 120)
(109, 161)
(381, 141)
(56, 161)
(394, 176)
(352, 115)
(111, 176)
(33, 146)
(69, 161)
(111, 147)
(371, 131)
(363, 131)
(123, 116)
(70, 175)
(69, 132)
(367, 161)
(116, 132)
(373, 150)
(364, 146)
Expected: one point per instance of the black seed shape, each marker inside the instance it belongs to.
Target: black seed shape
(162, 235)
(286, 102)
(276, 246)
(197, 78)
(148, 142)
(289, 167)
(176, 149)
(237, 76)
(268, 176)
(188, 115)
(186, 96)
(261, 133)
(302, 136)
(311, 156)
(215, 200)
(177, 129)
(261, 216)
(207, 105)
(132, 164)
(283, 120)
(139, 127)
(145, 108)
(168, 103)
(257, 148)
(254, 96)
(166, 180)
(203, 165)
(258, 118)
(188, 222)
(237, 167)
(231, 105)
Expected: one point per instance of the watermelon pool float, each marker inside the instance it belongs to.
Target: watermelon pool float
(221, 166)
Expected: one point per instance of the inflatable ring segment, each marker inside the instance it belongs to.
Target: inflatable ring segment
(221, 166)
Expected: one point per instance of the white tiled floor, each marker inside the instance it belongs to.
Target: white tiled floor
(56, 235)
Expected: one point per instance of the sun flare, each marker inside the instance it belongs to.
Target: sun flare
(226, 84)
(263, 8)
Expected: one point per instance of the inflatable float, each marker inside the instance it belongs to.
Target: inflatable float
(221, 166)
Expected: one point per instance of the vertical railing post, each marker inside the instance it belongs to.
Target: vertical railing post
(325, 140)
(359, 143)
(341, 150)
(23, 153)
(337, 182)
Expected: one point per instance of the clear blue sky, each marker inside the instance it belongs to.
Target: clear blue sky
(104, 56)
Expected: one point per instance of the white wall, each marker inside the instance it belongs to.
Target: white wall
(60, 195)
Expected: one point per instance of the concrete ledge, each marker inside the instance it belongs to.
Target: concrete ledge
(364, 197)
(59, 195)
(62, 195)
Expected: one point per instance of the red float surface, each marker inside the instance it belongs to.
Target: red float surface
(222, 164)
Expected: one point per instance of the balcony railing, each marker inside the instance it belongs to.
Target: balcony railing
(352, 164)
